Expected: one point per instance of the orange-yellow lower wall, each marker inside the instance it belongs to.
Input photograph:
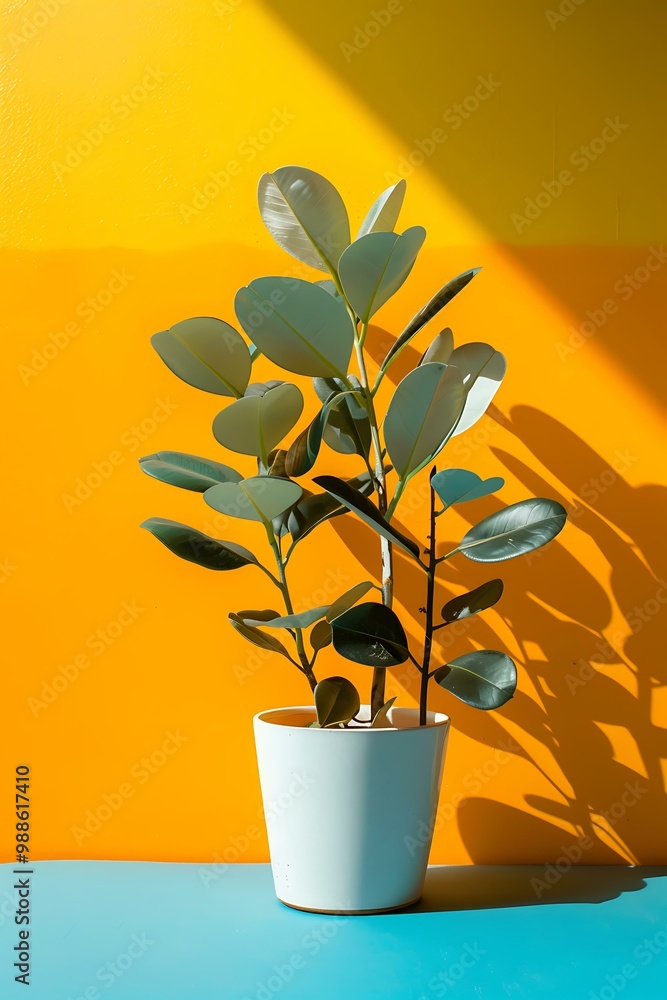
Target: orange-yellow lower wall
(129, 695)
(136, 132)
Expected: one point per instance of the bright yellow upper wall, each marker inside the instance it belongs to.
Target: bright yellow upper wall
(118, 113)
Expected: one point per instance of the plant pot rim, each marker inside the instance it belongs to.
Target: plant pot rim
(273, 716)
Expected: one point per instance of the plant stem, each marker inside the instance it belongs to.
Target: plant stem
(283, 586)
(379, 673)
(430, 597)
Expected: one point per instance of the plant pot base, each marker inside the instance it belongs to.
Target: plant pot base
(350, 913)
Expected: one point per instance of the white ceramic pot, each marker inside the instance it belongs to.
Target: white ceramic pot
(349, 812)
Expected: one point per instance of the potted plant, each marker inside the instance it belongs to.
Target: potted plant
(373, 771)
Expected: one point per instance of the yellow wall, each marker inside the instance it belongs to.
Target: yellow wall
(116, 116)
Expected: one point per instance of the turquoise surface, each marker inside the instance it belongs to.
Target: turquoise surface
(148, 931)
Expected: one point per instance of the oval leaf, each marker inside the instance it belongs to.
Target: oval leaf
(192, 545)
(320, 636)
(260, 498)
(336, 700)
(302, 620)
(187, 471)
(460, 485)
(305, 214)
(348, 599)
(381, 717)
(518, 529)
(383, 214)
(366, 510)
(374, 267)
(257, 637)
(440, 349)
(431, 309)
(304, 450)
(422, 415)
(484, 679)
(255, 424)
(482, 369)
(257, 615)
(297, 325)
(347, 429)
(473, 602)
(371, 634)
(207, 354)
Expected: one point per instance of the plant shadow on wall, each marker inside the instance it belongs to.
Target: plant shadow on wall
(587, 674)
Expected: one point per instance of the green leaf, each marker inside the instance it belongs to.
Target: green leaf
(366, 510)
(187, 471)
(383, 214)
(348, 599)
(320, 635)
(257, 637)
(329, 287)
(261, 616)
(371, 634)
(519, 528)
(375, 266)
(460, 486)
(192, 545)
(484, 679)
(473, 602)
(440, 349)
(297, 325)
(207, 354)
(255, 424)
(336, 700)
(381, 717)
(347, 429)
(422, 415)
(482, 369)
(305, 448)
(260, 498)
(305, 215)
(314, 509)
(431, 309)
(303, 620)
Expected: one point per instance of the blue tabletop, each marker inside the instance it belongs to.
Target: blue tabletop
(149, 931)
